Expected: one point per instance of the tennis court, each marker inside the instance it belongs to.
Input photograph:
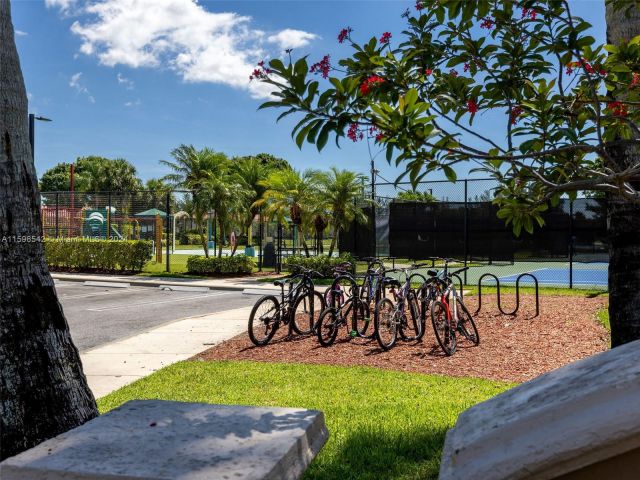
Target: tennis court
(587, 276)
(557, 274)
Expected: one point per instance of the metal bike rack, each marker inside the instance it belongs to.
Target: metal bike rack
(486, 275)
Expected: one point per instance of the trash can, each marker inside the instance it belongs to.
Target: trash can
(269, 255)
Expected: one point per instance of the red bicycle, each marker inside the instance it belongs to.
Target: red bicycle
(449, 315)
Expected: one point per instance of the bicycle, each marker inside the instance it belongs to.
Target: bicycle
(450, 315)
(345, 307)
(298, 308)
(391, 318)
(372, 287)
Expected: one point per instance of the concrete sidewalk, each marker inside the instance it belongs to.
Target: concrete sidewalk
(116, 364)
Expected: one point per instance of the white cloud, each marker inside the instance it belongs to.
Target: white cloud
(181, 35)
(63, 5)
(290, 38)
(125, 82)
(133, 103)
(76, 83)
(20, 33)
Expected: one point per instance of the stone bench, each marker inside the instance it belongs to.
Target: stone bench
(154, 439)
(581, 421)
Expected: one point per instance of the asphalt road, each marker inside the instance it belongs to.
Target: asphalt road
(99, 315)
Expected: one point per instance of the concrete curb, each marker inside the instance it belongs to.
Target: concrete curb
(158, 282)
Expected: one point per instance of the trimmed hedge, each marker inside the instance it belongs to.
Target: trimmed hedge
(322, 263)
(190, 239)
(92, 255)
(213, 265)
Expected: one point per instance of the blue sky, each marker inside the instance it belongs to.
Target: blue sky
(116, 88)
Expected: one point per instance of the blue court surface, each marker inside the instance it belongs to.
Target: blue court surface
(560, 276)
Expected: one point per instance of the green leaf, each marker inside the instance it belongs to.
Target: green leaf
(323, 136)
(450, 173)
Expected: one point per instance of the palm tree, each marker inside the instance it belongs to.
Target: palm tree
(290, 193)
(226, 196)
(252, 173)
(44, 390)
(193, 170)
(340, 191)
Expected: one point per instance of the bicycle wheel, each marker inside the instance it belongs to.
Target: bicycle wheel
(442, 327)
(306, 312)
(466, 325)
(264, 320)
(327, 329)
(411, 324)
(385, 324)
(424, 302)
(361, 323)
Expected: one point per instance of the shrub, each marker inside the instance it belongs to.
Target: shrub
(189, 239)
(91, 254)
(213, 265)
(322, 263)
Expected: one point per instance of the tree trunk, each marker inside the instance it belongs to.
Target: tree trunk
(336, 229)
(303, 241)
(623, 220)
(200, 225)
(44, 390)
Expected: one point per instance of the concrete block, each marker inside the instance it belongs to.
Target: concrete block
(154, 439)
(565, 421)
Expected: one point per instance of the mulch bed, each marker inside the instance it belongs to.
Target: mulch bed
(512, 348)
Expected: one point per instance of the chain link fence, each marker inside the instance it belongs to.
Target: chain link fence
(176, 228)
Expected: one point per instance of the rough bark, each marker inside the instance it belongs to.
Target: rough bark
(336, 230)
(624, 219)
(43, 389)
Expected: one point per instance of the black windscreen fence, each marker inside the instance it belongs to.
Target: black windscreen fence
(473, 231)
(459, 220)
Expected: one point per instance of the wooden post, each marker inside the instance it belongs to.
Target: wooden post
(158, 239)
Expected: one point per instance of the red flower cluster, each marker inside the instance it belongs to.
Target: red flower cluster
(428, 72)
(386, 36)
(419, 5)
(466, 66)
(323, 66)
(372, 81)
(260, 72)
(529, 13)
(472, 106)
(516, 111)
(354, 134)
(487, 23)
(586, 65)
(635, 81)
(618, 109)
(344, 34)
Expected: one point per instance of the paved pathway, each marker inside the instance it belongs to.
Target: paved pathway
(113, 365)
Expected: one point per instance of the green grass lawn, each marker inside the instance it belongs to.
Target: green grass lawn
(603, 318)
(382, 424)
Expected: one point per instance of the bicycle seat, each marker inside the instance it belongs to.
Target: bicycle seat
(279, 283)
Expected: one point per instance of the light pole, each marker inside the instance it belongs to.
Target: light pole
(175, 217)
(32, 128)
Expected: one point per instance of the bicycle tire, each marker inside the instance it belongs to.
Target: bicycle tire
(466, 325)
(381, 324)
(303, 322)
(413, 328)
(327, 329)
(363, 320)
(445, 335)
(270, 323)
